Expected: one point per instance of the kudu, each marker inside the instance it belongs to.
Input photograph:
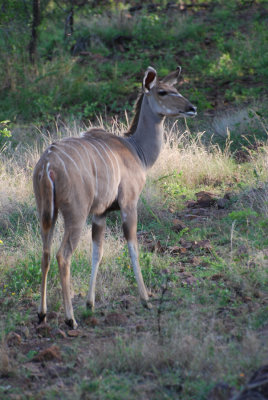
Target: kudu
(99, 172)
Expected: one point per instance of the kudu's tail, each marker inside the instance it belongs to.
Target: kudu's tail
(47, 196)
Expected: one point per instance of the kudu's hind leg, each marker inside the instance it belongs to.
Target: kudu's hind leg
(129, 218)
(47, 240)
(69, 243)
(98, 228)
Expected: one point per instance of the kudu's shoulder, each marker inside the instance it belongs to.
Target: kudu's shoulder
(119, 145)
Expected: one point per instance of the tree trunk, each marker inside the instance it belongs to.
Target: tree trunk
(34, 36)
(69, 22)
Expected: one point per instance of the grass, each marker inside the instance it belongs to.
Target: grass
(209, 317)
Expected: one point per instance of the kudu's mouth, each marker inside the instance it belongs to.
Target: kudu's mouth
(191, 112)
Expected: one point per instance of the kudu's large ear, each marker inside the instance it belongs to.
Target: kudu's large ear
(149, 80)
(172, 78)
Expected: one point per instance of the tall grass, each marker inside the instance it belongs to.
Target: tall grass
(185, 161)
(196, 162)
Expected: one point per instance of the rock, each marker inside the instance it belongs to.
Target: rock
(217, 277)
(116, 319)
(174, 250)
(49, 354)
(13, 339)
(24, 331)
(58, 333)
(178, 225)
(153, 246)
(186, 244)
(206, 199)
(242, 156)
(73, 333)
(191, 203)
(188, 280)
(91, 321)
(228, 195)
(222, 203)
(125, 304)
(195, 261)
(52, 315)
(43, 329)
(203, 244)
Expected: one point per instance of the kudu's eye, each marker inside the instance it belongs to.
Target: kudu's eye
(162, 92)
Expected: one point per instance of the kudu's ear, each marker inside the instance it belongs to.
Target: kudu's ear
(172, 78)
(149, 79)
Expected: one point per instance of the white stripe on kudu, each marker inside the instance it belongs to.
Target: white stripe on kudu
(77, 142)
(118, 168)
(120, 165)
(79, 155)
(89, 160)
(114, 179)
(52, 187)
(69, 157)
(62, 162)
(107, 171)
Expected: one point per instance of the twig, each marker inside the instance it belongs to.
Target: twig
(160, 309)
(231, 239)
(150, 210)
(250, 386)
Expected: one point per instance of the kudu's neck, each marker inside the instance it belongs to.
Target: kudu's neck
(148, 136)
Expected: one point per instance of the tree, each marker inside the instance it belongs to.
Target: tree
(34, 35)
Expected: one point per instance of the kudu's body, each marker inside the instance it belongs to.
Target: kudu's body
(96, 173)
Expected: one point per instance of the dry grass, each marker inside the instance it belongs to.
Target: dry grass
(197, 164)
(192, 346)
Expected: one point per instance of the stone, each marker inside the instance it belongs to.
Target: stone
(13, 339)
(49, 354)
(116, 319)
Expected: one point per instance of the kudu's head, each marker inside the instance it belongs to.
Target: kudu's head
(163, 98)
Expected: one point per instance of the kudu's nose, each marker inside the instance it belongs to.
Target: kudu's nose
(192, 108)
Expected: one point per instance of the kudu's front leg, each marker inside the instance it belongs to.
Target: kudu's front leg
(98, 229)
(129, 217)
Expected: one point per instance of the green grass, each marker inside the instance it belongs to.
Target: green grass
(222, 53)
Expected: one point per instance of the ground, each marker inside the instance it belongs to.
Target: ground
(124, 351)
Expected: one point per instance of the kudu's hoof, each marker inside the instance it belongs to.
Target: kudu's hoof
(71, 323)
(41, 317)
(146, 304)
